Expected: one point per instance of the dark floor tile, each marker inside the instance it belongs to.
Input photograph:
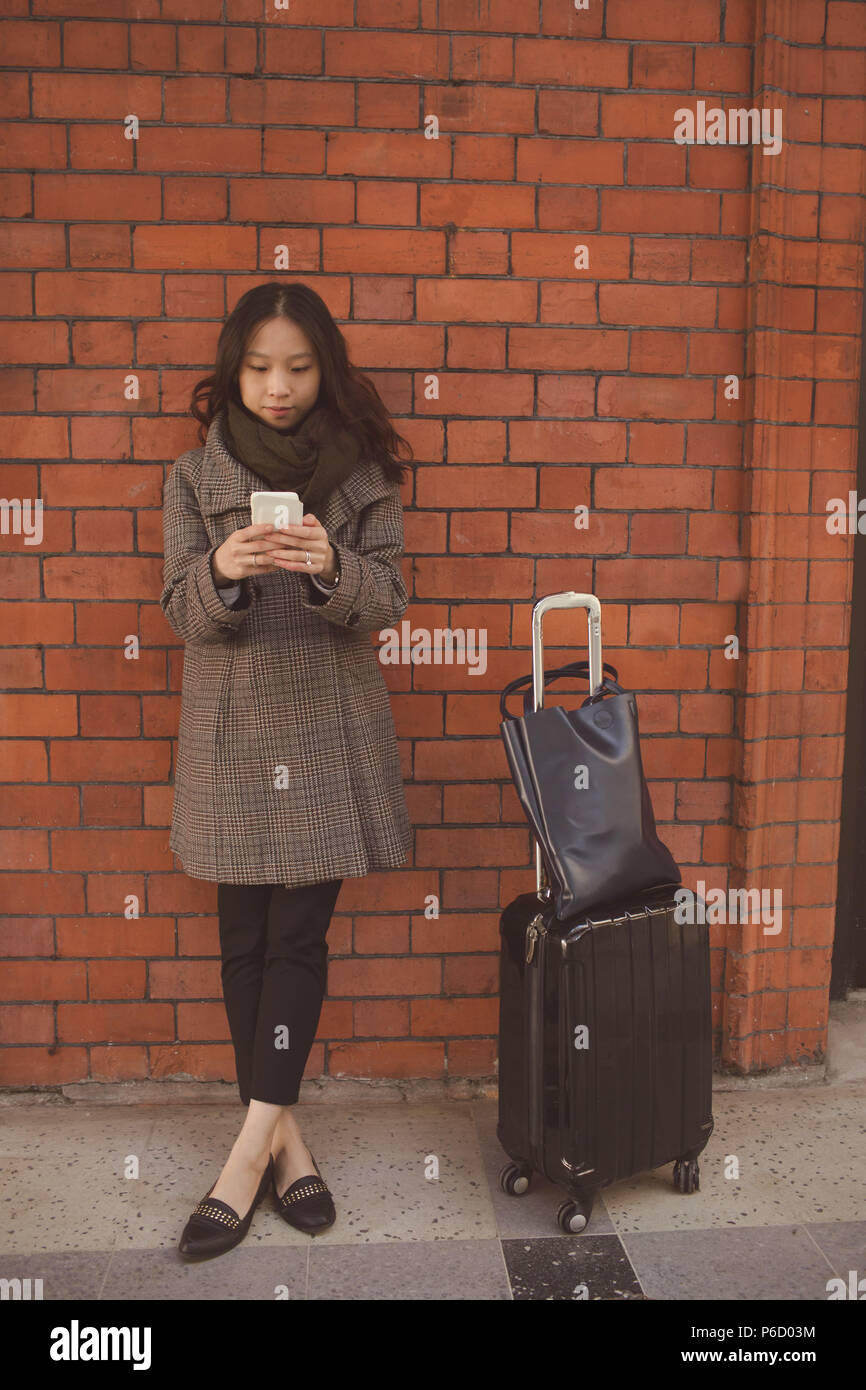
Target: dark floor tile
(584, 1267)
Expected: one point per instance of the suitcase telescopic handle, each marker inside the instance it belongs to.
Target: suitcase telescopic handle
(567, 599)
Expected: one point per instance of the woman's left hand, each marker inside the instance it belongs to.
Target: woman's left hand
(295, 541)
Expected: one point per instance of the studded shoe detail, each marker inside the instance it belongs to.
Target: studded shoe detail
(214, 1227)
(307, 1204)
(215, 1210)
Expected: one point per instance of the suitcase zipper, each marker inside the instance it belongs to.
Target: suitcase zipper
(535, 929)
(536, 932)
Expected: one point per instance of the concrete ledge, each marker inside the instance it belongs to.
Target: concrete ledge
(810, 1074)
(846, 1038)
(186, 1091)
(341, 1091)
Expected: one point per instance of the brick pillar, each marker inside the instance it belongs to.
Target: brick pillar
(805, 275)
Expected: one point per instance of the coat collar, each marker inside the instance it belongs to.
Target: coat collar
(225, 482)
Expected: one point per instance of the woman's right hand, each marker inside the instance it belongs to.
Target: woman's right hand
(236, 557)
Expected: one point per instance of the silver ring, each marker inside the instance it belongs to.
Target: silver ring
(255, 557)
(307, 553)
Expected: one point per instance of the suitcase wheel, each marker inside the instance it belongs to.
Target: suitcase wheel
(687, 1175)
(514, 1179)
(574, 1216)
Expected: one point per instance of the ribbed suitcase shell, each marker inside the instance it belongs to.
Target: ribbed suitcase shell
(640, 1093)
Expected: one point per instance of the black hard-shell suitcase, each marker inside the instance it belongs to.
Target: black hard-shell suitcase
(605, 1031)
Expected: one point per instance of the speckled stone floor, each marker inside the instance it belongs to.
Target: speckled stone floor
(94, 1199)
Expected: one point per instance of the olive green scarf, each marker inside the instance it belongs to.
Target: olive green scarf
(311, 460)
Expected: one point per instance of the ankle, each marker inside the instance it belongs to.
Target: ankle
(290, 1144)
(252, 1155)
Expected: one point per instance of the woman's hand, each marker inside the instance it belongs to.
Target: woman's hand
(264, 547)
(294, 542)
(242, 553)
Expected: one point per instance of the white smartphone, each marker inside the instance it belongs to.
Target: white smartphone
(279, 508)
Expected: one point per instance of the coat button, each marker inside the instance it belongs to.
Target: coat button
(352, 619)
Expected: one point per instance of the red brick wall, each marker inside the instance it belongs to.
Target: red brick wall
(557, 386)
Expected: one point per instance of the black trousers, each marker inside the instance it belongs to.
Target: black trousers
(274, 973)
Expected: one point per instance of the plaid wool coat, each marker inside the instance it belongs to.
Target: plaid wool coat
(288, 768)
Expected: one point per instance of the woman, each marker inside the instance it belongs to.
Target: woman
(288, 772)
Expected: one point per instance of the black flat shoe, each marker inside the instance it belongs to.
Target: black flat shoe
(215, 1227)
(306, 1204)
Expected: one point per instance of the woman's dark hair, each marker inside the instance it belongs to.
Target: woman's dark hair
(346, 395)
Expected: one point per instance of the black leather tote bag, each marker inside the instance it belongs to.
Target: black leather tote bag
(579, 776)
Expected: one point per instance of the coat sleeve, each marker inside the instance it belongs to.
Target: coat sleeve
(230, 595)
(371, 593)
(190, 599)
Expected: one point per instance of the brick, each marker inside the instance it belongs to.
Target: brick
(116, 980)
(846, 24)
(567, 113)
(566, 396)
(663, 65)
(728, 168)
(471, 1058)
(115, 1022)
(651, 348)
(30, 43)
(667, 19)
(79, 95)
(655, 487)
(536, 534)
(556, 442)
(657, 534)
(545, 254)
(635, 304)
(661, 258)
(571, 349)
(92, 45)
(549, 62)
(591, 162)
(474, 301)
(118, 1063)
(447, 1017)
(51, 980)
(377, 251)
(107, 197)
(672, 578)
(41, 1066)
(723, 69)
(654, 164)
(22, 1023)
(89, 293)
(32, 146)
(662, 210)
(385, 1059)
(653, 398)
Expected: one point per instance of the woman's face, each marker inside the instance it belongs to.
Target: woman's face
(279, 375)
